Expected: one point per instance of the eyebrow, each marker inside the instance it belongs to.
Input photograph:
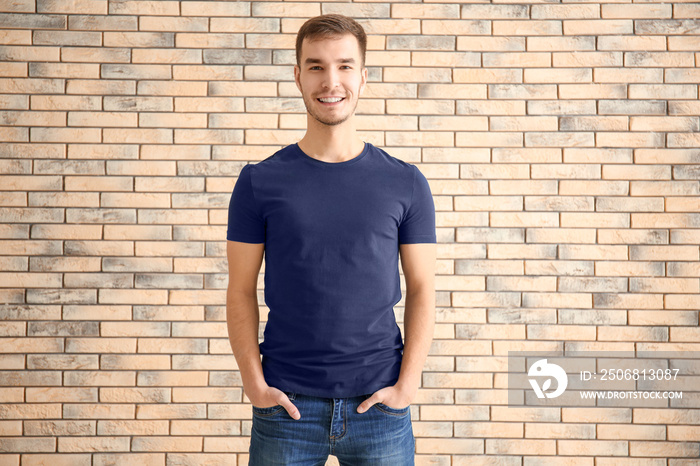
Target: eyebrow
(317, 60)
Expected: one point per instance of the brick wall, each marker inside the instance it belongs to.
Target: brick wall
(561, 144)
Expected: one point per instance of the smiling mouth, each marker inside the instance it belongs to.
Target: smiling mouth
(330, 100)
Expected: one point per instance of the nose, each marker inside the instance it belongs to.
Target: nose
(331, 78)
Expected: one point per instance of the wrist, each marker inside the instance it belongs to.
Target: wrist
(407, 389)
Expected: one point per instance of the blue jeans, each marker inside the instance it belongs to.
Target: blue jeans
(381, 436)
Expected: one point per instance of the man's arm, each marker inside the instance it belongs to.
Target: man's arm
(418, 264)
(243, 319)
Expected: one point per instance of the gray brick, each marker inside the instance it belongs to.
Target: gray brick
(98, 280)
(32, 21)
(62, 361)
(63, 329)
(686, 172)
(358, 10)
(490, 235)
(77, 38)
(274, 105)
(69, 167)
(138, 104)
(401, 42)
(103, 23)
(495, 11)
(632, 107)
(275, 73)
(100, 216)
(226, 168)
(238, 57)
(200, 200)
(169, 281)
(119, 71)
(666, 26)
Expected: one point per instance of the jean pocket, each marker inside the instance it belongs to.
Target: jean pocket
(392, 411)
(273, 410)
(267, 412)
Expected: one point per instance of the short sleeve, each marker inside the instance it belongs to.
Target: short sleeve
(245, 224)
(418, 224)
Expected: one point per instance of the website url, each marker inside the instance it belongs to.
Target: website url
(624, 395)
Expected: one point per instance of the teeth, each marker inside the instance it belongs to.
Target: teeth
(331, 99)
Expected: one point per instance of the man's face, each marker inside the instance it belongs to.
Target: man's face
(331, 77)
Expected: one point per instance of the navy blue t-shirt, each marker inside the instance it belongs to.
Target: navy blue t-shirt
(332, 233)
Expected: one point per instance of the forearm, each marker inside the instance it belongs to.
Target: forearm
(243, 319)
(419, 325)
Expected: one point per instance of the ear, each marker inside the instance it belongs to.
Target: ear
(297, 75)
(364, 79)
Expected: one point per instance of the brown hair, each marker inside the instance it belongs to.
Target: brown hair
(331, 26)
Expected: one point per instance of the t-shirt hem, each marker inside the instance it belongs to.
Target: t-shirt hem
(326, 394)
(244, 239)
(418, 239)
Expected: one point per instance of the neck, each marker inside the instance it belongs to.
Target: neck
(331, 143)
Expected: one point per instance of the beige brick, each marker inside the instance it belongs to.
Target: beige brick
(100, 312)
(41, 444)
(520, 446)
(137, 136)
(636, 334)
(217, 8)
(527, 28)
(212, 428)
(454, 446)
(683, 139)
(650, 317)
(173, 379)
(172, 88)
(544, 75)
(554, 139)
(416, 75)
(615, 461)
(593, 447)
(63, 428)
(679, 433)
(664, 449)
(598, 27)
(688, 43)
(631, 432)
(132, 428)
(557, 461)
(93, 444)
(30, 411)
(546, 430)
(561, 235)
(597, 220)
(145, 459)
(524, 219)
(628, 300)
(661, 220)
(169, 152)
(16, 37)
(134, 395)
(28, 54)
(636, 11)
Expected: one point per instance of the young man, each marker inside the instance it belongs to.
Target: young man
(332, 215)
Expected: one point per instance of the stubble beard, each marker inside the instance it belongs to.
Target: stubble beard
(309, 103)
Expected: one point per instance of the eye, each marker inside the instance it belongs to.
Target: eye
(315, 68)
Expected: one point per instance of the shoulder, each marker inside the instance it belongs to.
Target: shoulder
(392, 163)
(274, 162)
